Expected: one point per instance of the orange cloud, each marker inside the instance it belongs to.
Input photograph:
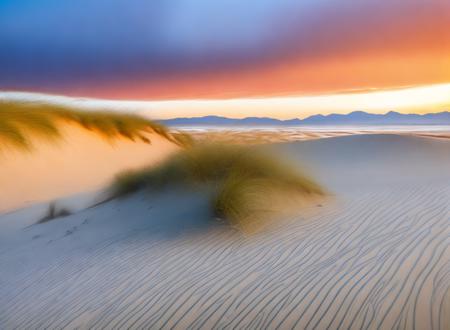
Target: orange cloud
(344, 73)
(316, 48)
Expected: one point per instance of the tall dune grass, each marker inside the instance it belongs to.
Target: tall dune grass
(22, 122)
(248, 184)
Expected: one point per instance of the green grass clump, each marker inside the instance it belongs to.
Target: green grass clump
(21, 122)
(249, 184)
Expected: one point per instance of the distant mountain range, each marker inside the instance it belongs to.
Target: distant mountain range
(353, 118)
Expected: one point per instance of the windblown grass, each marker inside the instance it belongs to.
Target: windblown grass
(21, 122)
(249, 185)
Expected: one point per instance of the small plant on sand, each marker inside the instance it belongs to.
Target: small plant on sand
(248, 184)
(20, 122)
(54, 212)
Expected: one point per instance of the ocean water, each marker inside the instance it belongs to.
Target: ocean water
(322, 128)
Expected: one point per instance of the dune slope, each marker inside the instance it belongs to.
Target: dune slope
(80, 162)
(376, 257)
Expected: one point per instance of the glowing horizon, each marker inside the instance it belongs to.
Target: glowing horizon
(417, 99)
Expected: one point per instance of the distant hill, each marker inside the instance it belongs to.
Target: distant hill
(353, 118)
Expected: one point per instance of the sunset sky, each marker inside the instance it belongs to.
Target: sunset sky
(279, 58)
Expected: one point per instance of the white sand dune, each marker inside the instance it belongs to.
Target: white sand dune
(378, 257)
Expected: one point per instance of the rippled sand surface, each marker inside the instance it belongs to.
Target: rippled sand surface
(374, 256)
